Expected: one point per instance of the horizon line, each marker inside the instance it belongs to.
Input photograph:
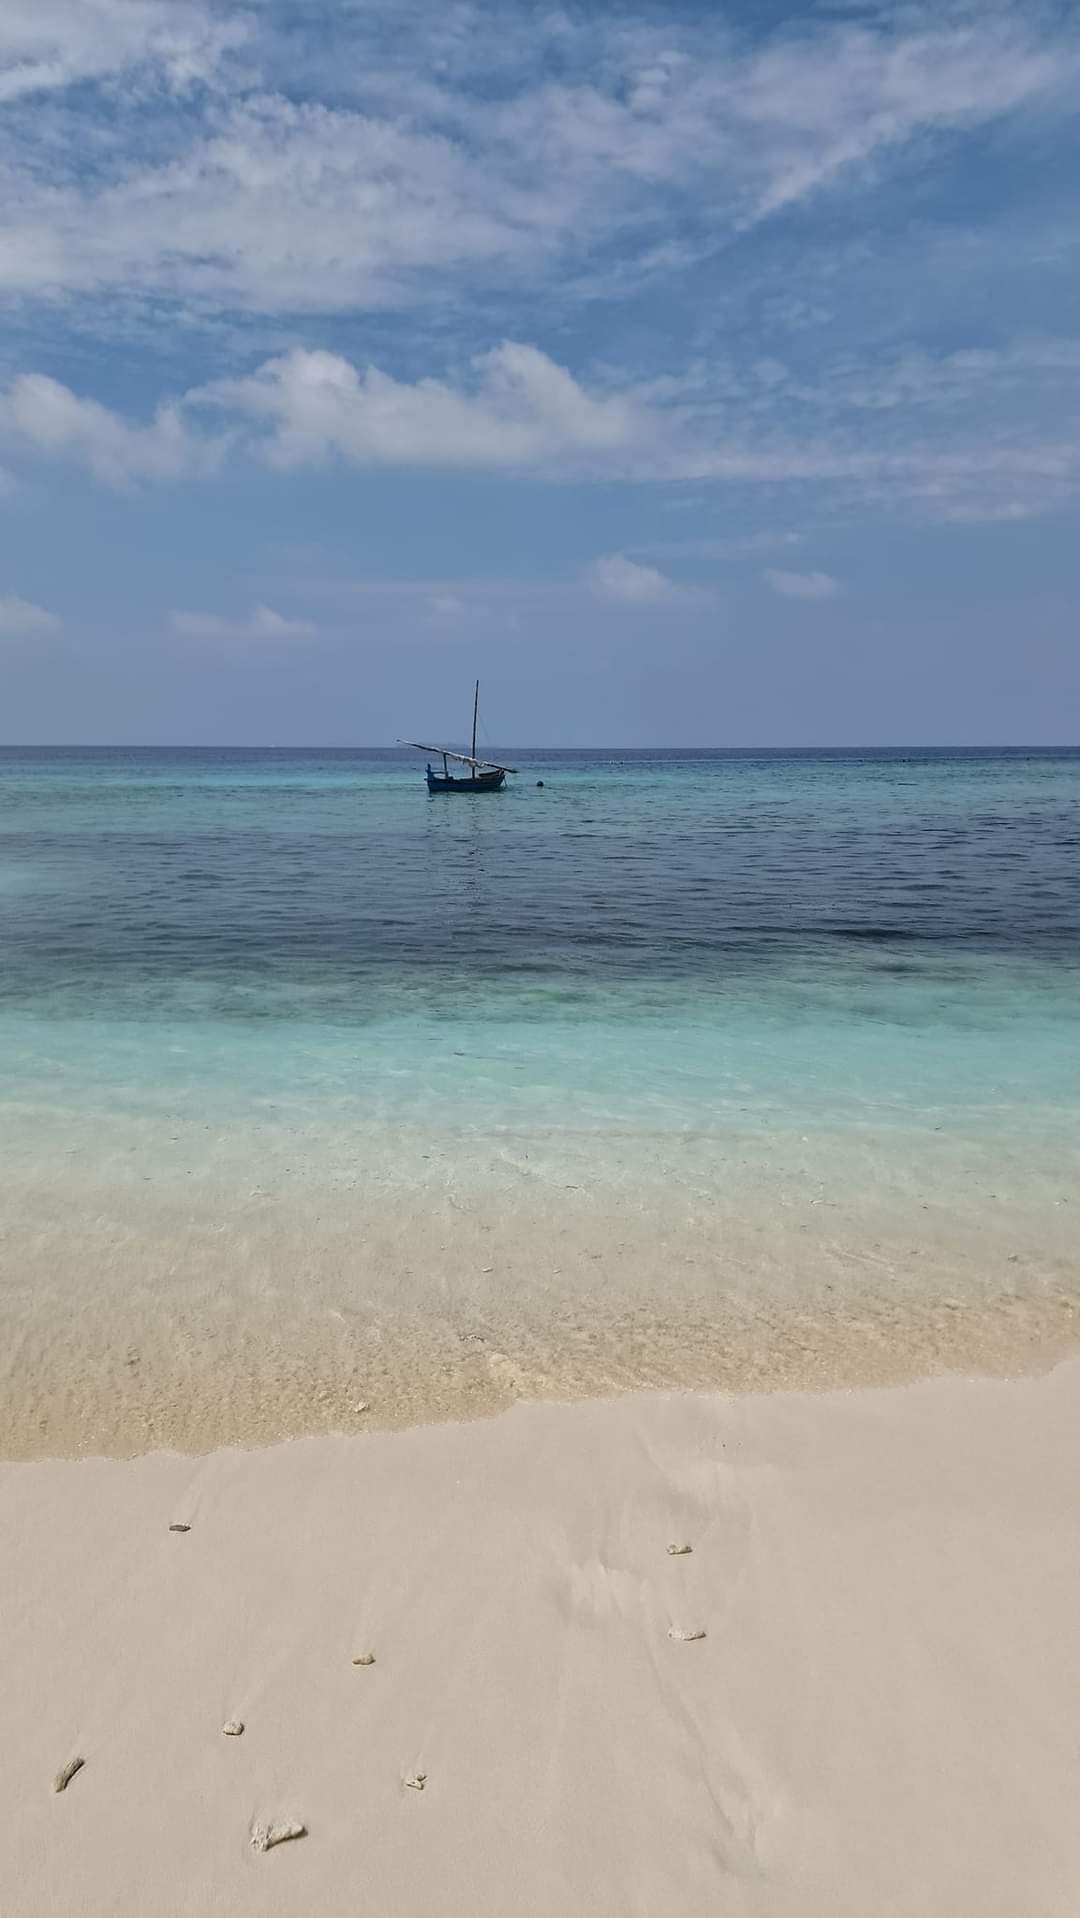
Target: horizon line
(654, 746)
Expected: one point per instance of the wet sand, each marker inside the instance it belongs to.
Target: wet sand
(187, 1288)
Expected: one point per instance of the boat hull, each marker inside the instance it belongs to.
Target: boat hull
(479, 783)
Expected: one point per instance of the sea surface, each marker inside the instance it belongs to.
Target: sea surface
(748, 1069)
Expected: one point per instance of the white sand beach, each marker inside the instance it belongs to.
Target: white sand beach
(880, 1719)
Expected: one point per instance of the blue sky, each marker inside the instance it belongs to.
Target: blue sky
(692, 374)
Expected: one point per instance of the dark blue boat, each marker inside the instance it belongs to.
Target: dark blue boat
(483, 776)
(478, 781)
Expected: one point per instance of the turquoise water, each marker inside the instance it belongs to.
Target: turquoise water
(382, 1083)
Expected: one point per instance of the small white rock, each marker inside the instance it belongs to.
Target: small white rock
(233, 1727)
(361, 1406)
(365, 1658)
(265, 1837)
(682, 1637)
(679, 1551)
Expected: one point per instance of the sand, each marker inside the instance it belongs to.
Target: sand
(882, 1719)
(158, 1292)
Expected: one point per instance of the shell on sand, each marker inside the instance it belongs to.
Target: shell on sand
(365, 1658)
(233, 1727)
(265, 1837)
(179, 1528)
(416, 1780)
(682, 1637)
(679, 1551)
(63, 1778)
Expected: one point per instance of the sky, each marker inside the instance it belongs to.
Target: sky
(693, 374)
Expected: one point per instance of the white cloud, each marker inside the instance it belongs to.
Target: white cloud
(51, 419)
(261, 623)
(46, 45)
(616, 577)
(919, 379)
(20, 617)
(835, 102)
(517, 408)
(802, 585)
(386, 154)
(446, 606)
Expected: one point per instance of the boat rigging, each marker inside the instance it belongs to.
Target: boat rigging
(485, 775)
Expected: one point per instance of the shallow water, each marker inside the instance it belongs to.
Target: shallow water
(703, 1068)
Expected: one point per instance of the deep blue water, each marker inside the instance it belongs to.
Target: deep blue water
(257, 884)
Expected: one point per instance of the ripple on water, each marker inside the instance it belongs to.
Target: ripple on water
(704, 1069)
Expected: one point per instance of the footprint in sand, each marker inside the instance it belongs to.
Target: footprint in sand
(596, 1594)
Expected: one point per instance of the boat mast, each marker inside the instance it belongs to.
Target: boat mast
(475, 709)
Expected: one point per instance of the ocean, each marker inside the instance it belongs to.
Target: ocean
(741, 1069)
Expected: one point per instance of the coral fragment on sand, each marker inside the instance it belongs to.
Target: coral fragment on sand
(265, 1837)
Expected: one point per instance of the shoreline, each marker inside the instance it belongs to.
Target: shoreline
(880, 1716)
(188, 1269)
(276, 1377)
(145, 1304)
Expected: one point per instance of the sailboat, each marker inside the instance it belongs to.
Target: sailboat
(484, 776)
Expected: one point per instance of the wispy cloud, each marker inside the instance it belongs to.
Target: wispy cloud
(270, 170)
(19, 618)
(618, 578)
(392, 276)
(446, 606)
(802, 585)
(263, 623)
(268, 165)
(46, 45)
